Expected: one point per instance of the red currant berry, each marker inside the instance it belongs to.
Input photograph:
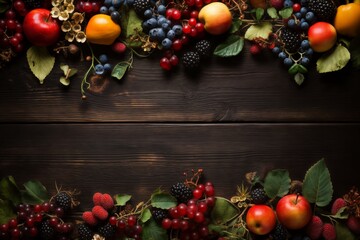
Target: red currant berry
(95, 7)
(184, 40)
(177, 45)
(13, 223)
(166, 223)
(169, 13)
(209, 191)
(2, 24)
(197, 193)
(59, 212)
(296, 7)
(199, 217)
(190, 2)
(174, 60)
(131, 221)
(19, 5)
(37, 207)
(199, 3)
(184, 225)
(210, 201)
(203, 231)
(194, 14)
(15, 233)
(87, 8)
(185, 13)
(199, 27)
(175, 223)
(33, 232)
(53, 221)
(14, 41)
(182, 209)
(138, 229)
(194, 235)
(202, 207)
(193, 32)
(4, 227)
(18, 48)
(186, 29)
(45, 207)
(10, 24)
(30, 222)
(112, 221)
(192, 22)
(176, 14)
(121, 225)
(165, 64)
(10, 14)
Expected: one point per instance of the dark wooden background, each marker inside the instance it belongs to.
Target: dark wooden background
(131, 136)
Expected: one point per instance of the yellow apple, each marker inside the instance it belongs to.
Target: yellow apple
(216, 18)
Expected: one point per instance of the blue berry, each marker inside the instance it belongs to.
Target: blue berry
(116, 3)
(148, 13)
(276, 50)
(115, 16)
(104, 10)
(304, 26)
(298, 15)
(107, 67)
(103, 58)
(291, 23)
(177, 29)
(282, 55)
(288, 62)
(170, 34)
(305, 44)
(309, 52)
(99, 69)
(160, 34)
(161, 19)
(166, 43)
(161, 9)
(108, 3)
(310, 16)
(303, 11)
(305, 61)
(288, 3)
(153, 33)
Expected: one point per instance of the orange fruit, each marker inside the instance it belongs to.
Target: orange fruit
(347, 20)
(102, 30)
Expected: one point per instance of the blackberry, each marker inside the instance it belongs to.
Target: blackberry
(31, 4)
(291, 40)
(141, 5)
(191, 60)
(63, 200)
(159, 214)
(203, 47)
(325, 10)
(46, 231)
(84, 232)
(181, 192)
(106, 231)
(279, 233)
(258, 196)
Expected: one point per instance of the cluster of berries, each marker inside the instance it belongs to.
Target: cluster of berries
(190, 218)
(44, 221)
(103, 67)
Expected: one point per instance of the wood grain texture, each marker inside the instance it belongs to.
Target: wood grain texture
(241, 89)
(138, 158)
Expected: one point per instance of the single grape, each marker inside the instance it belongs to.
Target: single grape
(298, 15)
(116, 3)
(111, 9)
(309, 52)
(288, 3)
(108, 3)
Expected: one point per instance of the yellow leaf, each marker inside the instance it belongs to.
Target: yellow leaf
(40, 62)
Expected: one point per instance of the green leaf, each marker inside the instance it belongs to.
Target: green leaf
(65, 68)
(259, 13)
(152, 231)
(293, 69)
(122, 199)
(130, 22)
(232, 46)
(286, 12)
(277, 183)
(317, 186)
(68, 72)
(223, 211)
(145, 215)
(64, 81)
(272, 13)
(299, 78)
(119, 70)
(235, 26)
(163, 200)
(261, 30)
(355, 52)
(333, 60)
(9, 190)
(342, 213)
(36, 191)
(6, 211)
(342, 232)
(40, 62)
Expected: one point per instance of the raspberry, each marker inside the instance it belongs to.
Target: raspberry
(353, 223)
(46, 231)
(191, 60)
(329, 232)
(258, 196)
(63, 200)
(140, 6)
(97, 198)
(325, 10)
(89, 218)
(279, 233)
(255, 49)
(203, 47)
(107, 201)
(337, 205)
(100, 213)
(159, 214)
(314, 228)
(106, 231)
(181, 192)
(84, 232)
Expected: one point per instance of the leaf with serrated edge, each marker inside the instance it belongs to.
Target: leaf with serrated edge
(333, 60)
(232, 46)
(122, 199)
(286, 12)
(277, 183)
(145, 215)
(40, 62)
(262, 30)
(272, 13)
(317, 185)
(163, 200)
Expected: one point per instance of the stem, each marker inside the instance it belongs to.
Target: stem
(84, 80)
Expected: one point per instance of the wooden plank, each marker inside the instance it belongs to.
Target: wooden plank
(138, 158)
(241, 89)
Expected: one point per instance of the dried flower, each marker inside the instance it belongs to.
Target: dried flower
(80, 37)
(241, 197)
(66, 26)
(70, 36)
(70, 8)
(68, 2)
(64, 15)
(352, 198)
(55, 3)
(55, 12)
(77, 17)
(76, 27)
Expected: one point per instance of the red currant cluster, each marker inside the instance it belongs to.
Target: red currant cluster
(35, 220)
(126, 227)
(192, 27)
(88, 7)
(169, 60)
(190, 221)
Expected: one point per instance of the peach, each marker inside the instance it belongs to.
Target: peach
(322, 36)
(216, 17)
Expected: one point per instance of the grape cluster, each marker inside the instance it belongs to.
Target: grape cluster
(40, 220)
(190, 220)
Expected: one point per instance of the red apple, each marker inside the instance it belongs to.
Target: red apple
(322, 36)
(40, 28)
(293, 211)
(260, 219)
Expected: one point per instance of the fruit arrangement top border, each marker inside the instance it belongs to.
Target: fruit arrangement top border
(186, 32)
